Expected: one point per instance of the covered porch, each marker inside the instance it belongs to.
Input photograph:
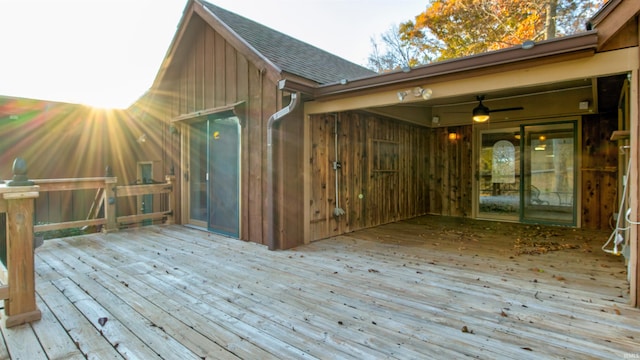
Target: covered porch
(430, 287)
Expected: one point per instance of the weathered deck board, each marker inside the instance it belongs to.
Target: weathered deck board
(401, 291)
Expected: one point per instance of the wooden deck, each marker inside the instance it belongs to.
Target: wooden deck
(419, 289)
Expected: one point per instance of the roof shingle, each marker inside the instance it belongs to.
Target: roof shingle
(289, 54)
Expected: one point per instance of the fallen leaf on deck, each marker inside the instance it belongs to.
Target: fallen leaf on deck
(102, 321)
(465, 329)
(373, 271)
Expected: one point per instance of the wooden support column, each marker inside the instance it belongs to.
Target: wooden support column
(171, 199)
(20, 307)
(633, 188)
(110, 204)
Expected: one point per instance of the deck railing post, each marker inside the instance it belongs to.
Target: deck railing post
(110, 182)
(19, 195)
(171, 200)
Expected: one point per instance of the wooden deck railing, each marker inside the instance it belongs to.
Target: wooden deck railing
(17, 209)
(106, 194)
(18, 288)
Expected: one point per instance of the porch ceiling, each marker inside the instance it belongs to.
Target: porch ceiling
(457, 109)
(535, 87)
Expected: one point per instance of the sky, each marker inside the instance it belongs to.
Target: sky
(106, 53)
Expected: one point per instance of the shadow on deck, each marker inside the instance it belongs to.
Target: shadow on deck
(425, 288)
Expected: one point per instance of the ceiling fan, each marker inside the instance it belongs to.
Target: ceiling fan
(481, 112)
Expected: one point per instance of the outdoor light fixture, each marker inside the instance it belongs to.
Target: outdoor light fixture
(417, 91)
(480, 112)
(424, 93)
(529, 44)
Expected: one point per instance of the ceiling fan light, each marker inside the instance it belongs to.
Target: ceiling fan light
(480, 113)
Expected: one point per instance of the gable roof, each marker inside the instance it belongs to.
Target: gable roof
(612, 21)
(290, 55)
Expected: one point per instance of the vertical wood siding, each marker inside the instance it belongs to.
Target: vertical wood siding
(599, 180)
(210, 73)
(450, 175)
(383, 174)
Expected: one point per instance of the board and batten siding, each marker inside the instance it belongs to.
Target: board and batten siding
(210, 73)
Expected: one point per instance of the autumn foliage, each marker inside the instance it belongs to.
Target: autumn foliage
(468, 27)
(456, 28)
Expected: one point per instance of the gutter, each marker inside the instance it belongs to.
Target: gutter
(585, 44)
(272, 243)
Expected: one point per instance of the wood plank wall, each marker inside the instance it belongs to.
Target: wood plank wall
(289, 182)
(599, 181)
(211, 73)
(450, 171)
(388, 172)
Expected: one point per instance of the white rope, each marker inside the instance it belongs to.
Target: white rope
(616, 234)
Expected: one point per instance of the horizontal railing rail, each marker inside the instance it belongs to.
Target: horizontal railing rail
(148, 189)
(73, 184)
(104, 202)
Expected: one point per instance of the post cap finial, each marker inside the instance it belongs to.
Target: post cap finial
(20, 174)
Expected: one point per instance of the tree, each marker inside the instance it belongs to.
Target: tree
(455, 28)
(398, 52)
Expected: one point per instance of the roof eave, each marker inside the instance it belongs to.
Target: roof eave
(584, 44)
(168, 58)
(195, 7)
(611, 19)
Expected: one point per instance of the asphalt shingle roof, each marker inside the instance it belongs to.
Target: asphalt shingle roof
(289, 54)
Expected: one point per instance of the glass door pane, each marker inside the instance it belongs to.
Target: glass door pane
(549, 173)
(224, 175)
(198, 173)
(499, 175)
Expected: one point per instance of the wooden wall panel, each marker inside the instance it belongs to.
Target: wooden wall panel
(230, 75)
(219, 70)
(382, 164)
(320, 175)
(210, 73)
(450, 172)
(209, 64)
(199, 72)
(243, 76)
(599, 170)
(254, 141)
(289, 179)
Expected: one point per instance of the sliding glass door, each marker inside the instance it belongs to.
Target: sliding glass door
(528, 174)
(499, 174)
(214, 174)
(549, 173)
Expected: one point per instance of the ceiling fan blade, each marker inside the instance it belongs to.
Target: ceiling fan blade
(506, 109)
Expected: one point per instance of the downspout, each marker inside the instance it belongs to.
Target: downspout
(271, 241)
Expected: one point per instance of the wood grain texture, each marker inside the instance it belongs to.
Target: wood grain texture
(402, 290)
